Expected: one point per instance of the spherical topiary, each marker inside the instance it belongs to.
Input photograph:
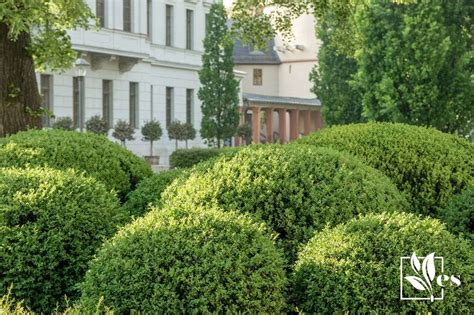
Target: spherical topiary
(355, 268)
(51, 222)
(188, 261)
(296, 190)
(429, 165)
(148, 191)
(458, 215)
(117, 167)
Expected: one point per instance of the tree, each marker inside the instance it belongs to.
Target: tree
(64, 123)
(152, 131)
(331, 78)
(97, 125)
(189, 133)
(33, 36)
(176, 132)
(219, 90)
(123, 131)
(414, 64)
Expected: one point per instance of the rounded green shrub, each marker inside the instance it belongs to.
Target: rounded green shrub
(185, 158)
(188, 261)
(355, 268)
(108, 162)
(458, 215)
(430, 166)
(148, 192)
(296, 190)
(51, 223)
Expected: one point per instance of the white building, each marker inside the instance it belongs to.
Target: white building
(144, 65)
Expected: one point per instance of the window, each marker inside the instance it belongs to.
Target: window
(207, 23)
(107, 102)
(46, 85)
(127, 15)
(257, 77)
(189, 29)
(134, 105)
(169, 25)
(76, 110)
(100, 11)
(149, 13)
(169, 105)
(189, 105)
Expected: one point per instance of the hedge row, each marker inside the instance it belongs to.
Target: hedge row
(296, 190)
(51, 223)
(98, 157)
(430, 166)
(185, 158)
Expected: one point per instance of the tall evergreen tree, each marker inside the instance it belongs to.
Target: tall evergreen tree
(414, 63)
(219, 90)
(341, 104)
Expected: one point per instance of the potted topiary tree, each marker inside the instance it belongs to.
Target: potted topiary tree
(176, 132)
(123, 131)
(152, 131)
(64, 123)
(97, 125)
(189, 133)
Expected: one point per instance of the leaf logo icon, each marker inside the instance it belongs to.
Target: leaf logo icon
(425, 273)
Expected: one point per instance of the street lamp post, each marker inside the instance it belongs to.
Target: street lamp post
(81, 67)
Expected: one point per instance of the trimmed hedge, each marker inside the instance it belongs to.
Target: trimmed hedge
(429, 165)
(148, 192)
(108, 162)
(188, 261)
(458, 215)
(51, 223)
(355, 267)
(185, 158)
(296, 190)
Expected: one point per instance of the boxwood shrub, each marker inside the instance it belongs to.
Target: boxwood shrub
(184, 158)
(296, 190)
(51, 222)
(355, 267)
(108, 162)
(148, 191)
(458, 215)
(188, 261)
(429, 165)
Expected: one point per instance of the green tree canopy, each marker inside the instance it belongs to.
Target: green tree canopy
(219, 90)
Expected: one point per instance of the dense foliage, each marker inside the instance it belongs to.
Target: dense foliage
(152, 131)
(296, 190)
(123, 131)
(219, 91)
(430, 166)
(188, 261)
(51, 223)
(358, 265)
(64, 123)
(458, 215)
(415, 64)
(148, 191)
(117, 167)
(97, 125)
(184, 158)
(331, 77)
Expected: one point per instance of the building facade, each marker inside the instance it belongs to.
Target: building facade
(277, 97)
(144, 65)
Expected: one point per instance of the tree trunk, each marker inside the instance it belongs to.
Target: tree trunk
(151, 148)
(176, 142)
(19, 96)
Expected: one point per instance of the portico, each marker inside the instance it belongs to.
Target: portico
(279, 119)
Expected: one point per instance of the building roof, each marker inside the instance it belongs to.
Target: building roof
(267, 99)
(246, 55)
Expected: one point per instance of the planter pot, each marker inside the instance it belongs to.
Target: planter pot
(153, 160)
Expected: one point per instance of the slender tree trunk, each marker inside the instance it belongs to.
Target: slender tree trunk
(176, 143)
(151, 148)
(19, 95)
(186, 143)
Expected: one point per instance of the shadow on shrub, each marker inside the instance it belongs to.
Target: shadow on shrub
(296, 190)
(188, 261)
(108, 162)
(459, 214)
(355, 267)
(429, 165)
(51, 223)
